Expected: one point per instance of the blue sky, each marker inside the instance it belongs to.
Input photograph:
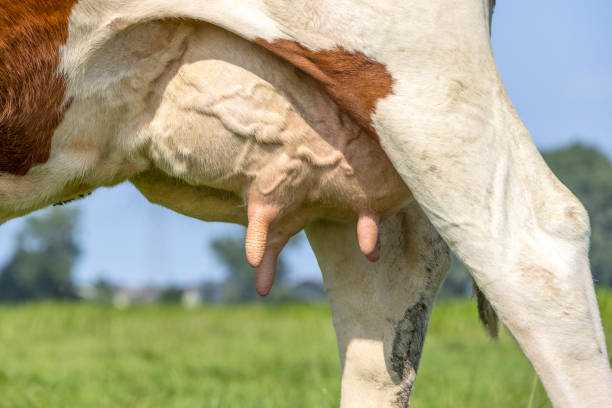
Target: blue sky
(555, 58)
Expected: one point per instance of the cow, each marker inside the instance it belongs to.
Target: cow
(381, 127)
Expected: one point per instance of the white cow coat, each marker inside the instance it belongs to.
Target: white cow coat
(202, 120)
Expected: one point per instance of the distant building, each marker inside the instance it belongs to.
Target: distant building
(191, 297)
(124, 297)
(207, 292)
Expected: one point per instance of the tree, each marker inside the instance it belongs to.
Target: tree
(41, 265)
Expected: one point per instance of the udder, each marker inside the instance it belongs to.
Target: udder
(225, 144)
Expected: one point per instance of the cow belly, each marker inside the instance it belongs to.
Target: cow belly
(234, 119)
(217, 128)
(209, 124)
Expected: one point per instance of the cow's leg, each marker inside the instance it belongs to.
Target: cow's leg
(474, 170)
(381, 310)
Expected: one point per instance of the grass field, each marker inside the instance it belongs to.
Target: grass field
(71, 355)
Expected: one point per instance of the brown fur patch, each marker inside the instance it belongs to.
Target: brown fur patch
(352, 80)
(31, 91)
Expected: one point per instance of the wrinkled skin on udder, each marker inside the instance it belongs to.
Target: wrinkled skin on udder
(228, 145)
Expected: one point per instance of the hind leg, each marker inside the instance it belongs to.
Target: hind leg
(522, 234)
(381, 310)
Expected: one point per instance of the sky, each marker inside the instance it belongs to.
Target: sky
(555, 58)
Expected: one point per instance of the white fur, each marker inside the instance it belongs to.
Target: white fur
(448, 128)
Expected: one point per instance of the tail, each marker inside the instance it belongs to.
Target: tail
(487, 315)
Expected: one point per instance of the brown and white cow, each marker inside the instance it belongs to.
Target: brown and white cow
(285, 114)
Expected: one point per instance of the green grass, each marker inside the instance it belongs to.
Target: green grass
(70, 355)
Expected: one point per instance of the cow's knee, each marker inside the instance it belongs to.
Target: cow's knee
(559, 212)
